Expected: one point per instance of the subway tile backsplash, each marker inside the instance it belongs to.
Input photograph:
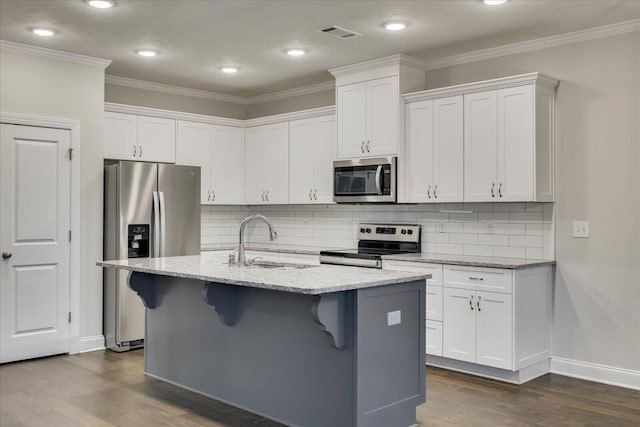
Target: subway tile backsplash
(518, 230)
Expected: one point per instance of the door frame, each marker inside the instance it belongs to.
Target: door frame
(73, 126)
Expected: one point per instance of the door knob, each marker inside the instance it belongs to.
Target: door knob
(6, 254)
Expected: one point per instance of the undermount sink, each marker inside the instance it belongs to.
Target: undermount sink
(272, 265)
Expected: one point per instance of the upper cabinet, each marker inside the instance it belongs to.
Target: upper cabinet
(433, 161)
(311, 152)
(369, 115)
(267, 164)
(131, 137)
(508, 142)
(218, 150)
(507, 127)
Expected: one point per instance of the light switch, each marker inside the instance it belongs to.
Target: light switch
(581, 229)
(394, 318)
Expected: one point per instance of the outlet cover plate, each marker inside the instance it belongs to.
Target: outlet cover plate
(581, 229)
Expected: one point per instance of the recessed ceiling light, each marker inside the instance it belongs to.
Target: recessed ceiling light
(146, 52)
(101, 4)
(229, 70)
(296, 51)
(395, 25)
(43, 32)
(493, 2)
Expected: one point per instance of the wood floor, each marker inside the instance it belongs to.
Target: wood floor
(103, 388)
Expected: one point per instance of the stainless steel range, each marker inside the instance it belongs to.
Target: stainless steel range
(374, 241)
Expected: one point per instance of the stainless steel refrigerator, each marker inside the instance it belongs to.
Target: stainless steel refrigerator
(150, 210)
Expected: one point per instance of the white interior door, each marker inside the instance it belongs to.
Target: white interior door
(35, 181)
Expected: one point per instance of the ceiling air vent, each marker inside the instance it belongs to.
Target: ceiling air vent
(343, 33)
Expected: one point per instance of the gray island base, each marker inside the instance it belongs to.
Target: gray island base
(348, 358)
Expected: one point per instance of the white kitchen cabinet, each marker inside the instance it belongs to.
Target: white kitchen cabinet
(368, 118)
(131, 137)
(267, 164)
(311, 153)
(508, 145)
(218, 151)
(434, 151)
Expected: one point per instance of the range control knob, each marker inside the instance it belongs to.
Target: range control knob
(404, 231)
(362, 230)
(368, 230)
(409, 231)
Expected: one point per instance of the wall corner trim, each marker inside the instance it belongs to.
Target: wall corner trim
(619, 377)
(54, 54)
(93, 343)
(536, 44)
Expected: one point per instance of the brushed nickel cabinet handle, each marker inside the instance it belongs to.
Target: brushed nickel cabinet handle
(478, 303)
(493, 186)
(435, 191)
(500, 190)
(368, 142)
(315, 194)
(429, 192)
(135, 151)
(476, 278)
(471, 302)
(140, 152)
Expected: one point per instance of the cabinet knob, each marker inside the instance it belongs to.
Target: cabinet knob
(6, 255)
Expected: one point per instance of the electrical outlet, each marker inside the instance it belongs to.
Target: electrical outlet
(581, 229)
(442, 227)
(394, 318)
(490, 227)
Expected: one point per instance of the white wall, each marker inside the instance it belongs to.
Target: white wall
(597, 290)
(37, 86)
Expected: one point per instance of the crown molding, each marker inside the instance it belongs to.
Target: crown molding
(168, 114)
(537, 44)
(393, 60)
(494, 84)
(175, 90)
(304, 90)
(57, 55)
(296, 115)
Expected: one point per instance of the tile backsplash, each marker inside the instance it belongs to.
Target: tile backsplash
(518, 230)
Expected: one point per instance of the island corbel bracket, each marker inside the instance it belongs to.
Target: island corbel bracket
(328, 313)
(222, 298)
(143, 284)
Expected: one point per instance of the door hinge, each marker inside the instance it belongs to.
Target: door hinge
(70, 153)
(69, 317)
(69, 235)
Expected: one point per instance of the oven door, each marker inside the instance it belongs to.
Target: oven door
(371, 180)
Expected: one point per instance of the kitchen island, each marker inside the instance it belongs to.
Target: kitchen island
(302, 345)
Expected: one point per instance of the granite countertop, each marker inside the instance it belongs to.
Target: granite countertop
(314, 280)
(471, 261)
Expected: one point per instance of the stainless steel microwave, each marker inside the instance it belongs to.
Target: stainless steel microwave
(366, 180)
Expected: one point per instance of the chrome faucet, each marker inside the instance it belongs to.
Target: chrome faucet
(272, 235)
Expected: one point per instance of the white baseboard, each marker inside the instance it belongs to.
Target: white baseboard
(93, 343)
(596, 373)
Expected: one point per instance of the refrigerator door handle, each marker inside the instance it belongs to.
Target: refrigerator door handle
(156, 225)
(163, 224)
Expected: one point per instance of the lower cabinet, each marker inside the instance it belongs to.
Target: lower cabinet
(486, 317)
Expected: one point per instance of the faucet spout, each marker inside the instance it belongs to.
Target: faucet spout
(272, 235)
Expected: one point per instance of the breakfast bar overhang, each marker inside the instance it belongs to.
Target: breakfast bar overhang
(314, 347)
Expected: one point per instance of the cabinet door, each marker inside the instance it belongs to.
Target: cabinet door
(419, 152)
(383, 103)
(255, 165)
(459, 325)
(157, 139)
(448, 158)
(352, 116)
(433, 338)
(480, 147)
(434, 303)
(277, 167)
(516, 150)
(494, 330)
(193, 148)
(325, 149)
(302, 161)
(227, 177)
(120, 136)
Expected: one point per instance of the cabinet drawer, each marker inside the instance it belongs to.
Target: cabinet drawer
(483, 279)
(419, 267)
(433, 338)
(434, 303)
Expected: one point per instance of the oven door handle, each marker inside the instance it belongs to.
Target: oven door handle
(379, 180)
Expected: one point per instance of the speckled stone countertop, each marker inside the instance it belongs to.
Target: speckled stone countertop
(471, 261)
(313, 280)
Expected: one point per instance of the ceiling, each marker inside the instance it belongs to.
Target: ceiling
(194, 38)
